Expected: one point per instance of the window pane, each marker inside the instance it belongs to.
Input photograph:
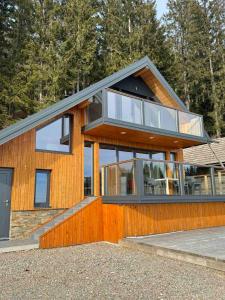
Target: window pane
(172, 156)
(107, 154)
(125, 155)
(88, 169)
(158, 155)
(142, 155)
(41, 188)
(51, 136)
(66, 126)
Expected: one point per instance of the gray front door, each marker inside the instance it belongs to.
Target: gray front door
(5, 201)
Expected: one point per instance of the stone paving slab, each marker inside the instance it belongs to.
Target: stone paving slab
(18, 245)
(202, 246)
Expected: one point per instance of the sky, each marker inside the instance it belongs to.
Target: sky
(161, 7)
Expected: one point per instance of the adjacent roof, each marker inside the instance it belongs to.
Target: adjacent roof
(204, 155)
(36, 119)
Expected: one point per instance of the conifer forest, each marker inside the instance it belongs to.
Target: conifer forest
(50, 49)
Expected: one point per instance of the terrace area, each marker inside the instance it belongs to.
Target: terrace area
(161, 181)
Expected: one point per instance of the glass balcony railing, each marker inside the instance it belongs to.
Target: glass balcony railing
(146, 177)
(142, 112)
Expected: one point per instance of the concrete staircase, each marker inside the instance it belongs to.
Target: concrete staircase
(71, 211)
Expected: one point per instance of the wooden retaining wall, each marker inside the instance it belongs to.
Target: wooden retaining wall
(112, 222)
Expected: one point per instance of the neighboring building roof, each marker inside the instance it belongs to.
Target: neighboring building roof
(204, 155)
(44, 115)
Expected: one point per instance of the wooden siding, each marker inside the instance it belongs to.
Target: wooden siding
(83, 227)
(66, 183)
(112, 222)
(161, 218)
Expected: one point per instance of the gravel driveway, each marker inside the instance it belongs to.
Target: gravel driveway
(104, 271)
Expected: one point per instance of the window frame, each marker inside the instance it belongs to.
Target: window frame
(47, 203)
(62, 128)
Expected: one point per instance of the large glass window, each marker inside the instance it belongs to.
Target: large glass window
(158, 155)
(88, 169)
(42, 185)
(107, 155)
(143, 154)
(125, 154)
(124, 108)
(55, 136)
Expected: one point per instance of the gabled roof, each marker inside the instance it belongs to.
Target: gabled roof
(44, 115)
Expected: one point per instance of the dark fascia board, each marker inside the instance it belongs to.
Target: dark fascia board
(52, 111)
(162, 199)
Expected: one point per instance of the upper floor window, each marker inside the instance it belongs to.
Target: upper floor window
(56, 136)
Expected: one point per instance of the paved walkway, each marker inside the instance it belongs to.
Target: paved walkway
(202, 246)
(17, 245)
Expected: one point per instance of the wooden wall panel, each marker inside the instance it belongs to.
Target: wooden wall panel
(66, 169)
(83, 227)
(161, 218)
(113, 222)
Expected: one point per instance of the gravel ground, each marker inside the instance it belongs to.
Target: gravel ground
(104, 271)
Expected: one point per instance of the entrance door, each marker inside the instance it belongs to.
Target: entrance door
(5, 201)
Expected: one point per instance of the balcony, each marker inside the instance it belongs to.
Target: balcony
(117, 111)
(151, 114)
(157, 181)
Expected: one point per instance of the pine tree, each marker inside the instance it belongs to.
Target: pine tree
(196, 40)
(80, 24)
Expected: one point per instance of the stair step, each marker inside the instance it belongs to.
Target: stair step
(71, 211)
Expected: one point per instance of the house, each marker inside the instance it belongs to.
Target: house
(107, 163)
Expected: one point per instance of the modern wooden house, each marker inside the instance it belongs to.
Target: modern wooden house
(107, 163)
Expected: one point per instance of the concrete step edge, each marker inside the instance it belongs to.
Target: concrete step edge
(205, 261)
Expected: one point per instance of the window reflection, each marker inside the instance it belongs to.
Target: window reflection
(55, 136)
(88, 169)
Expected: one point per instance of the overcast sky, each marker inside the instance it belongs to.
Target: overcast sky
(161, 7)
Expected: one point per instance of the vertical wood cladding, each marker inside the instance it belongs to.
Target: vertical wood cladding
(112, 222)
(66, 185)
(67, 172)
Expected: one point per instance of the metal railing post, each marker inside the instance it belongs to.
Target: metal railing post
(213, 182)
(181, 175)
(139, 177)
